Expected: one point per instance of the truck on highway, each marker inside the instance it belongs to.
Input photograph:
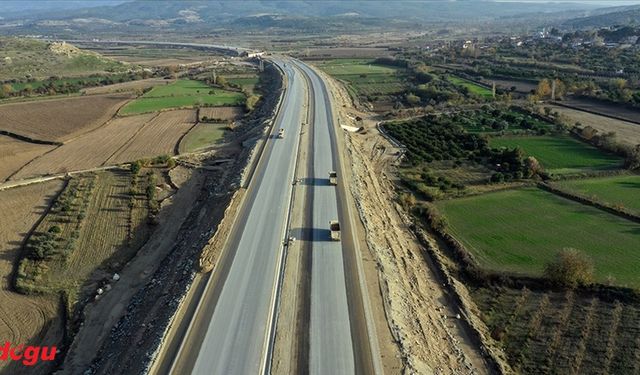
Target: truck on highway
(333, 178)
(281, 133)
(334, 227)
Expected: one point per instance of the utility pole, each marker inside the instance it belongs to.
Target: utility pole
(553, 89)
(493, 89)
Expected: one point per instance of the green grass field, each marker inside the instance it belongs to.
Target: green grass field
(366, 77)
(472, 87)
(560, 154)
(246, 82)
(182, 93)
(201, 136)
(519, 231)
(619, 190)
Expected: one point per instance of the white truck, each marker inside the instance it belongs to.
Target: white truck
(333, 178)
(334, 227)
(281, 133)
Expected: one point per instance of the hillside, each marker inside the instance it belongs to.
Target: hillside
(142, 15)
(626, 16)
(21, 57)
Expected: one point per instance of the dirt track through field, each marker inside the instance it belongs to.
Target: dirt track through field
(24, 319)
(60, 119)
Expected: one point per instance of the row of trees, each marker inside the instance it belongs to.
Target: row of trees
(57, 85)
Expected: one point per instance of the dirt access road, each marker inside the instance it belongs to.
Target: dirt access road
(417, 311)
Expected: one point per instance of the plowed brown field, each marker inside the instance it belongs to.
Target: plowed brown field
(14, 154)
(24, 319)
(160, 136)
(222, 113)
(626, 132)
(60, 119)
(87, 151)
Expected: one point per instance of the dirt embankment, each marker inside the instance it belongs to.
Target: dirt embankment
(417, 308)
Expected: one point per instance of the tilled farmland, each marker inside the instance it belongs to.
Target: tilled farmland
(14, 154)
(87, 151)
(160, 136)
(60, 120)
(221, 113)
(25, 318)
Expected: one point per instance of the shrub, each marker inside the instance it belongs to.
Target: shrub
(136, 166)
(570, 269)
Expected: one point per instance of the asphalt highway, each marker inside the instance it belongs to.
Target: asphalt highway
(330, 340)
(235, 338)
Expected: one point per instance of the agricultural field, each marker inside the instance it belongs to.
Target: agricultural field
(560, 153)
(501, 121)
(216, 114)
(126, 86)
(367, 78)
(562, 332)
(97, 224)
(626, 132)
(159, 136)
(89, 150)
(120, 140)
(522, 87)
(14, 154)
(25, 318)
(246, 82)
(343, 53)
(59, 120)
(201, 136)
(473, 88)
(605, 108)
(519, 231)
(182, 93)
(148, 56)
(618, 191)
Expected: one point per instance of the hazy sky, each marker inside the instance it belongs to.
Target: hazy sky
(598, 2)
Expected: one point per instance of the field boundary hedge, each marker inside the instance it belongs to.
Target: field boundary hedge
(24, 138)
(625, 214)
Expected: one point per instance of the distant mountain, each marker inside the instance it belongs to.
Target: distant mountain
(616, 16)
(312, 15)
(14, 8)
(222, 10)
